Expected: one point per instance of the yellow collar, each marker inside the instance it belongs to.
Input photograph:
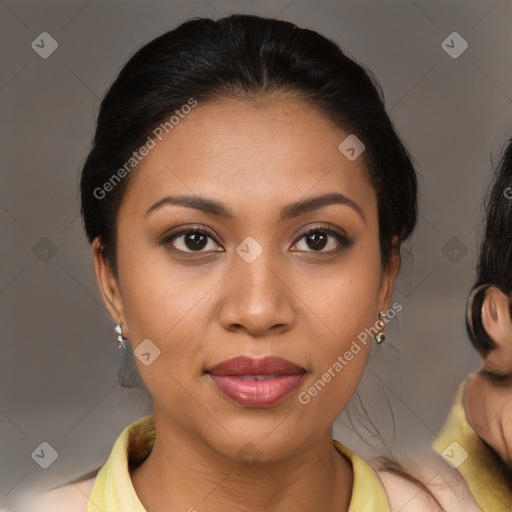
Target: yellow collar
(113, 489)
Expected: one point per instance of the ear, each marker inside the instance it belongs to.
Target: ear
(498, 325)
(389, 273)
(108, 285)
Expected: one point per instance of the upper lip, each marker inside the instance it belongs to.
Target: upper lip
(244, 365)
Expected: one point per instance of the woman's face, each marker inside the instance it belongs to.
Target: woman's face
(252, 284)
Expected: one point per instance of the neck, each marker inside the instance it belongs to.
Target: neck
(183, 473)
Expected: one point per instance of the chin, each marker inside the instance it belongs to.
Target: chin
(257, 444)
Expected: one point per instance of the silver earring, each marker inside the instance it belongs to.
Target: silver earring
(380, 337)
(121, 342)
(381, 321)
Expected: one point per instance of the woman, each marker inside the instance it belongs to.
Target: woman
(480, 419)
(246, 196)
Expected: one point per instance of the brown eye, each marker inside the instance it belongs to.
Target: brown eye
(318, 238)
(192, 240)
(195, 241)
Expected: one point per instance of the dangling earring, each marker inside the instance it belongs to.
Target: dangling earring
(380, 336)
(121, 342)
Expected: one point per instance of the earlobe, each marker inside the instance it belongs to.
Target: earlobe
(108, 285)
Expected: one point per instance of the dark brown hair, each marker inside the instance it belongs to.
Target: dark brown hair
(494, 266)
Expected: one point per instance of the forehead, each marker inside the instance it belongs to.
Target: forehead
(251, 152)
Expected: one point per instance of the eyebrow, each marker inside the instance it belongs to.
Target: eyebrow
(288, 212)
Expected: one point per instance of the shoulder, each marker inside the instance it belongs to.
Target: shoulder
(67, 498)
(425, 492)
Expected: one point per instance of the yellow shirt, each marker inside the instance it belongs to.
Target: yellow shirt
(113, 490)
(477, 465)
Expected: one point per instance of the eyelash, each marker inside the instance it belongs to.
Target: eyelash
(344, 241)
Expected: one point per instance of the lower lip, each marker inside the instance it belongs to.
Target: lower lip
(254, 393)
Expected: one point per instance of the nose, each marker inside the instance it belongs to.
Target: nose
(257, 298)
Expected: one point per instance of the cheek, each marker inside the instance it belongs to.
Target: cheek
(157, 297)
(161, 306)
(345, 299)
(167, 307)
(345, 308)
(333, 382)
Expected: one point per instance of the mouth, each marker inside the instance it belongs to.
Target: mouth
(256, 382)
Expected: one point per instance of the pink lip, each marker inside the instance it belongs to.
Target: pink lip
(227, 376)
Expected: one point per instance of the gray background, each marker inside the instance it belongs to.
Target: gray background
(59, 359)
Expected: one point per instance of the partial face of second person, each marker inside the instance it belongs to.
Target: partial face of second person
(304, 299)
(488, 402)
